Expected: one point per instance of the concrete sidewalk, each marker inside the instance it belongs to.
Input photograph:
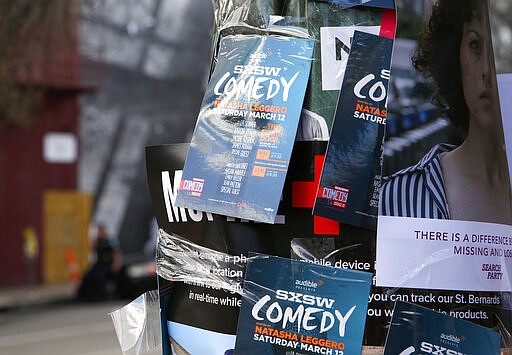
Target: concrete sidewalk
(20, 296)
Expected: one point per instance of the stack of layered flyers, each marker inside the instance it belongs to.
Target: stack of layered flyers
(284, 163)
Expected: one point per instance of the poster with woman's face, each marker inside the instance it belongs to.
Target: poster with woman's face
(462, 173)
(445, 216)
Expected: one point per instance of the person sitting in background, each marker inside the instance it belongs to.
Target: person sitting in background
(94, 284)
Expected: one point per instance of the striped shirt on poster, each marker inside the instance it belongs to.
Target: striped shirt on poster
(417, 191)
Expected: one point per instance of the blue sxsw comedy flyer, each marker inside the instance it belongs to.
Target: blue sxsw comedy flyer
(295, 307)
(350, 182)
(243, 140)
(418, 330)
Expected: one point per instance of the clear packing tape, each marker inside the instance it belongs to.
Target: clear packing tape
(181, 260)
(281, 16)
(137, 324)
(250, 16)
(178, 259)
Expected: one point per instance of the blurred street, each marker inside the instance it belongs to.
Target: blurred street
(62, 328)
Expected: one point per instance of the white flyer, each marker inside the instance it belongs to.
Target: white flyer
(443, 254)
(335, 43)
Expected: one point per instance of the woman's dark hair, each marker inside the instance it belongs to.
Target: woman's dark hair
(438, 55)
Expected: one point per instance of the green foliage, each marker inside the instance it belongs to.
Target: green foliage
(24, 24)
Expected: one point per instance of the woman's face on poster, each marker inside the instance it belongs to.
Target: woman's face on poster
(477, 73)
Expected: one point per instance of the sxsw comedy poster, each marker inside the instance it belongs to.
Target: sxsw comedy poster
(419, 330)
(294, 307)
(350, 182)
(242, 143)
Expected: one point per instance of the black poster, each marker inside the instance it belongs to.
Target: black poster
(350, 183)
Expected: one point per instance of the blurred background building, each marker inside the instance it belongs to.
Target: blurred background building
(86, 85)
